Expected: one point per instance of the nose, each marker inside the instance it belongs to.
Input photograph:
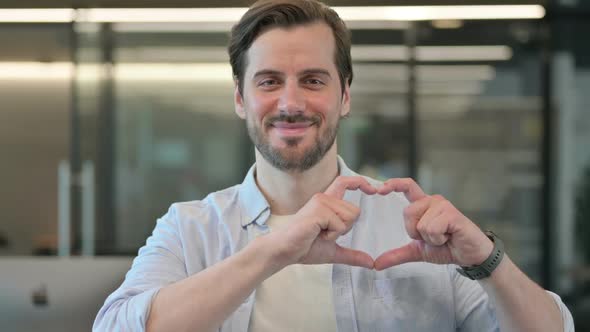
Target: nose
(292, 99)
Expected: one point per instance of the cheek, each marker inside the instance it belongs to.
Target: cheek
(328, 107)
(260, 106)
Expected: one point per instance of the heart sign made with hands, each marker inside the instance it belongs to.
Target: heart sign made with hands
(440, 233)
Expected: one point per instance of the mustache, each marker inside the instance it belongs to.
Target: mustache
(293, 118)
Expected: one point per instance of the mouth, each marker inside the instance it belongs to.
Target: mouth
(291, 128)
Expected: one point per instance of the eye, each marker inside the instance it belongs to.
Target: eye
(314, 81)
(268, 82)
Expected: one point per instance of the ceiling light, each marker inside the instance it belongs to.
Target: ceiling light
(359, 53)
(210, 72)
(464, 53)
(431, 53)
(173, 27)
(447, 24)
(212, 15)
(219, 72)
(449, 73)
(372, 88)
(427, 13)
(37, 15)
(376, 25)
(35, 70)
(171, 54)
(162, 14)
(424, 73)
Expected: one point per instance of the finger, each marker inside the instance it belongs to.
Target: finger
(347, 211)
(333, 226)
(411, 252)
(413, 213)
(343, 183)
(430, 227)
(335, 216)
(409, 187)
(352, 257)
(417, 209)
(434, 233)
(438, 239)
(438, 230)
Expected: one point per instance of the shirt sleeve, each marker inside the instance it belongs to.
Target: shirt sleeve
(566, 315)
(159, 263)
(475, 312)
(473, 309)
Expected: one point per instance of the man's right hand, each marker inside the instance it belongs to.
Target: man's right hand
(311, 237)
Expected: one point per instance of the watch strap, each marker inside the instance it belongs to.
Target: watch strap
(486, 268)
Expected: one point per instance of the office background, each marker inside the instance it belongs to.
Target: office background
(105, 120)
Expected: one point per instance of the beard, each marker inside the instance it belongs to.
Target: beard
(285, 159)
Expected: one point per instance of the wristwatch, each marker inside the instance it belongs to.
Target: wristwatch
(486, 268)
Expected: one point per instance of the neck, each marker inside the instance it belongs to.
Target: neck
(288, 191)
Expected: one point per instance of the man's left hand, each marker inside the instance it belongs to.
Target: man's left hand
(441, 234)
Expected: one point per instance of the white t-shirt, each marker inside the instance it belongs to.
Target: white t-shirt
(297, 298)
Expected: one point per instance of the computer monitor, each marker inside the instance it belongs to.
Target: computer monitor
(56, 294)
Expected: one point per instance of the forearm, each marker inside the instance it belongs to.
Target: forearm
(203, 301)
(521, 305)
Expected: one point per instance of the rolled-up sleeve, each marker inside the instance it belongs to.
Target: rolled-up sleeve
(475, 310)
(566, 315)
(159, 263)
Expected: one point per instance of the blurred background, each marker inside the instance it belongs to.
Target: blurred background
(108, 115)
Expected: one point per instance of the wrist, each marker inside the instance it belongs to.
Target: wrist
(498, 276)
(274, 258)
(486, 250)
(485, 268)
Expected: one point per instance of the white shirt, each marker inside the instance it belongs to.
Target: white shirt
(298, 298)
(417, 297)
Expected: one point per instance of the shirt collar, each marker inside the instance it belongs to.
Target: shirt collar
(252, 200)
(254, 204)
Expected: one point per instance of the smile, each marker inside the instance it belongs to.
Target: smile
(292, 128)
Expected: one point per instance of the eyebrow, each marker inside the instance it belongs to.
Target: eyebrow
(315, 71)
(265, 72)
(305, 72)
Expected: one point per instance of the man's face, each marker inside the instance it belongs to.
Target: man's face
(292, 100)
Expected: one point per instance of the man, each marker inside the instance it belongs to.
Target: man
(292, 247)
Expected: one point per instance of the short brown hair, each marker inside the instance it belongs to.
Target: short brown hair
(266, 14)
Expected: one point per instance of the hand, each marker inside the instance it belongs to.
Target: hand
(311, 238)
(441, 234)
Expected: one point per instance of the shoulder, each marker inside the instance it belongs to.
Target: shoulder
(210, 209)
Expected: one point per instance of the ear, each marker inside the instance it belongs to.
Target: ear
(238, 100)
(345, 100)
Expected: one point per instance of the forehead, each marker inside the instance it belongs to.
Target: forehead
(293, 48)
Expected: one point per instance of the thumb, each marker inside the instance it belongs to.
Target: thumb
(352, 257)
(411, 252)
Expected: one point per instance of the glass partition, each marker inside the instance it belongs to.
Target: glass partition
(34, 135)
(159, 124)
(480, 127)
